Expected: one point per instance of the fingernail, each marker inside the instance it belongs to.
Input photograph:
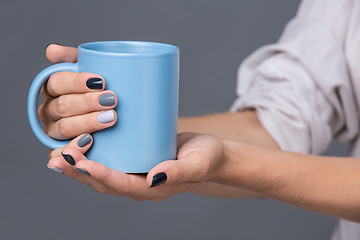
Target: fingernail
(50, 44)
(83, 171)
(85, 140)
(106, 117)
(94, 83)
(69, 159)
(107, 99)
(55, 169)
(158, 179)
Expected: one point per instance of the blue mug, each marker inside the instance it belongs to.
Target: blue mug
(145, 78)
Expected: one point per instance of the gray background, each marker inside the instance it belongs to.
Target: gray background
(214, 37)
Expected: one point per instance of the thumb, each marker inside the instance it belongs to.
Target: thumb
(56, 53)
(176, 171)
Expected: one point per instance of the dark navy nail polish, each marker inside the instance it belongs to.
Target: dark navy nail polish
(94, 83)
(158, 179)
(69, 159)
(83, 171)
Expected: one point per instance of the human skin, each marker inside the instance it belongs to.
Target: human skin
(220, 159)
(70, 109)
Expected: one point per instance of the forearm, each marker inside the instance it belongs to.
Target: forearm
(328, 185)
(239, 126)
(242, 127)
(217, 190)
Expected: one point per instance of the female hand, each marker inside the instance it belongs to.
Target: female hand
(74, 103)
(199, 159)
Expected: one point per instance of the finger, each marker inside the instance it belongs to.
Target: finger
(193, 165)
(177, 171)
(58, 165)
(131, 185)
(74, 150)
(81, 143)
(72, 155)
(56, 53)
(77, 104)
(66, 128)
(61, 83)
(81, 172)
(44, 93)
(43, 117)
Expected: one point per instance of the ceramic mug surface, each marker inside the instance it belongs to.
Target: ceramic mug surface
(145, 78)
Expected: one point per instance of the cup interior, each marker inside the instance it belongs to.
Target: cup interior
(129, 47)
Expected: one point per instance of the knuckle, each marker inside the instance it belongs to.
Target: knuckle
(53, 82)
(40, 109)
(40, 113)
(88, 102)
(47, 130)
(91, 124)
(53, 153)
(61, 105)
(42, 90)
(63, 128)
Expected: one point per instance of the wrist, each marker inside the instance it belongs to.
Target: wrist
(230, 160)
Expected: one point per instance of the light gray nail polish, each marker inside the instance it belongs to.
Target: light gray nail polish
(106, 117)
(55, 169)
(85, 140)
(107, 99)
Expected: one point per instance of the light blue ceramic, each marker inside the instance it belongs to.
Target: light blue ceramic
(145, 77)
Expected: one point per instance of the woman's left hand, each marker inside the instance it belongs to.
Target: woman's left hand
(199, 159)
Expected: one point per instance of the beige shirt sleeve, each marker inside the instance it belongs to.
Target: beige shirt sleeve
(301, 87)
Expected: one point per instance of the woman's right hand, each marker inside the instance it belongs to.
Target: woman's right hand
(74, 103)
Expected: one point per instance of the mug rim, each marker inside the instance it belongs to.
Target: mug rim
(162, 48)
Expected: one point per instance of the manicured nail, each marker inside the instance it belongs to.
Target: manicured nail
(94, 83)
(69, 159)
(57, 170)
(158, 179)
(50, 44)
(106, 117)
(83, 171)
(85, 140)
(107, 99)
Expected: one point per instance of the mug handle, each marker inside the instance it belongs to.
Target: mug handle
(35, 87)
